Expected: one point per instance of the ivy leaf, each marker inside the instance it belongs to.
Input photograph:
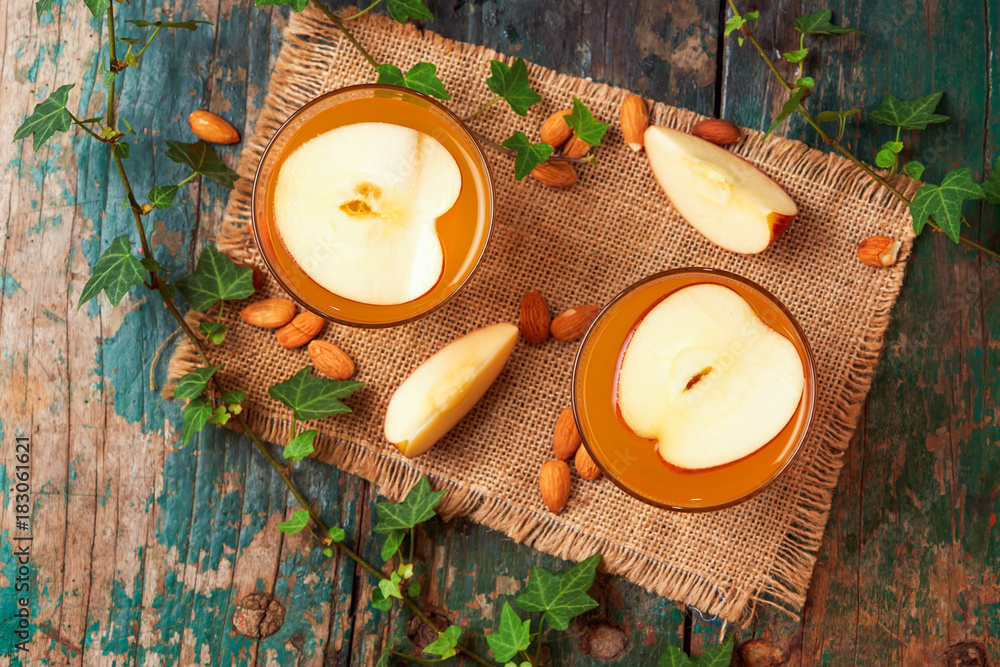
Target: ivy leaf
(512, 635)
(584, 125)
(298, 522)
(818, 23)
(336, 534)
(828, 116)
(909, 114)
(446, 642)
(511, 83)
(991, 186)
(196, 415)
(422, 78)
(393, 541)
(417, 507)
(806, 81)
(42, 7)
(413, 590)
(234, 397)
(50, 116)
(152, 265)
(719, 655)
(915, 170)
(328, 552)
(121, 149)
(97, 7)
(796, 56)
(736, 22)
(116, 272)
(296, 5)
(885, 158)
(162, 196)
(310, 397)
(220, 415)
(131, 41)
(560, 595)
(675, 657)
(186, 25)
(403, 10)
(390, 587)
(215, 278)
(787, 110)
(300, 446)
(944, 202)
(529, 155)
(380, 601)
(193, 383)
(203, 160)
(405, 570)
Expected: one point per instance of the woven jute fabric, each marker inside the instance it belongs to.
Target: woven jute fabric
(584, 245)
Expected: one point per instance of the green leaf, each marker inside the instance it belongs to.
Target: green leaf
(734, 23)
(675, 657)
(894, 146)
(885, 158)
(560, 595)
(390, 587)
(806, 81)
(719, 655)
(380, 601)
(121, 149)
(310, 397)
(403, 10)
(583, 124)
(417, 507)
(233, 397)
(787, 110)
(511, 83)
(300, 446)
(168, 290)
(529, 155)
(393, 540)
(944, 202)
(991, 186)
(220, 415)
(328, 552)
(446, 642)
(162, 196)
(828, 116)
(909, 114)
(915, 170)
(97, 7)
(215, 278)
(818, 23)
(109, 77)
(421, 77)
(42, 7)
(298, 522)
(186, 25)
(193, 383)
(511, 636)
(131, 41)
(116, 272)
(296, 5)
(196, 415)
(405, 570)
(203, 160)
(131, 60)
(50, 116)
(413, 590)
(152, 265)
(336, 534)
(796, 56)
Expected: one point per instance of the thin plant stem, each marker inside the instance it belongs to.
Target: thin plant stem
(482, 109)
(413, 535)
(148, 42)
(538, 646)
(87, 129)
(339, 24)
(362, 12)
(414, 658)
(110, 119)
(483, 139)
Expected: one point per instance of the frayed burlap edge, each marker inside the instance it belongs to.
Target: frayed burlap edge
(787, 581)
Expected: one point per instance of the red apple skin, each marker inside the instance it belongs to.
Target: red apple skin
(779, 223)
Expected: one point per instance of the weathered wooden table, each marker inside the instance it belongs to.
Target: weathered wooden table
(143, 551)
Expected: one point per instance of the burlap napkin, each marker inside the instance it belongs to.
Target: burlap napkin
(576, 246)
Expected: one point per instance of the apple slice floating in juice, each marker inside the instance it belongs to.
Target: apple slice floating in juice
(444, 388)
(707, 379)
(732, 203)
(357, 209)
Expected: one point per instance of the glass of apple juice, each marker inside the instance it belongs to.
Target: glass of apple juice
(372, 205)
(694, 389)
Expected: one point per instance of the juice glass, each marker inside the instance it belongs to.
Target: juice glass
(632, 462)
(463, 230)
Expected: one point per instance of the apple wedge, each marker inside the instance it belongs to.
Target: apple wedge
(707, 379)
(444, 388)
(728, 200)
(357, 209)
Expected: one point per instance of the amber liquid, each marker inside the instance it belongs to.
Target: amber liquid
(463, 230)
(633, 462)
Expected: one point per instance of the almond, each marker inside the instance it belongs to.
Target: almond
(879, 251)
(576, 147)
(718, 131)
(269, 313)
(258, 277)
(565, 439)
(330, 360)
(634, 117)
(573, 323)
(213, 129)
(302, 329)
(535, 318)
(555, 132)
(555, 483)
(555, 174)
(585, 466)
